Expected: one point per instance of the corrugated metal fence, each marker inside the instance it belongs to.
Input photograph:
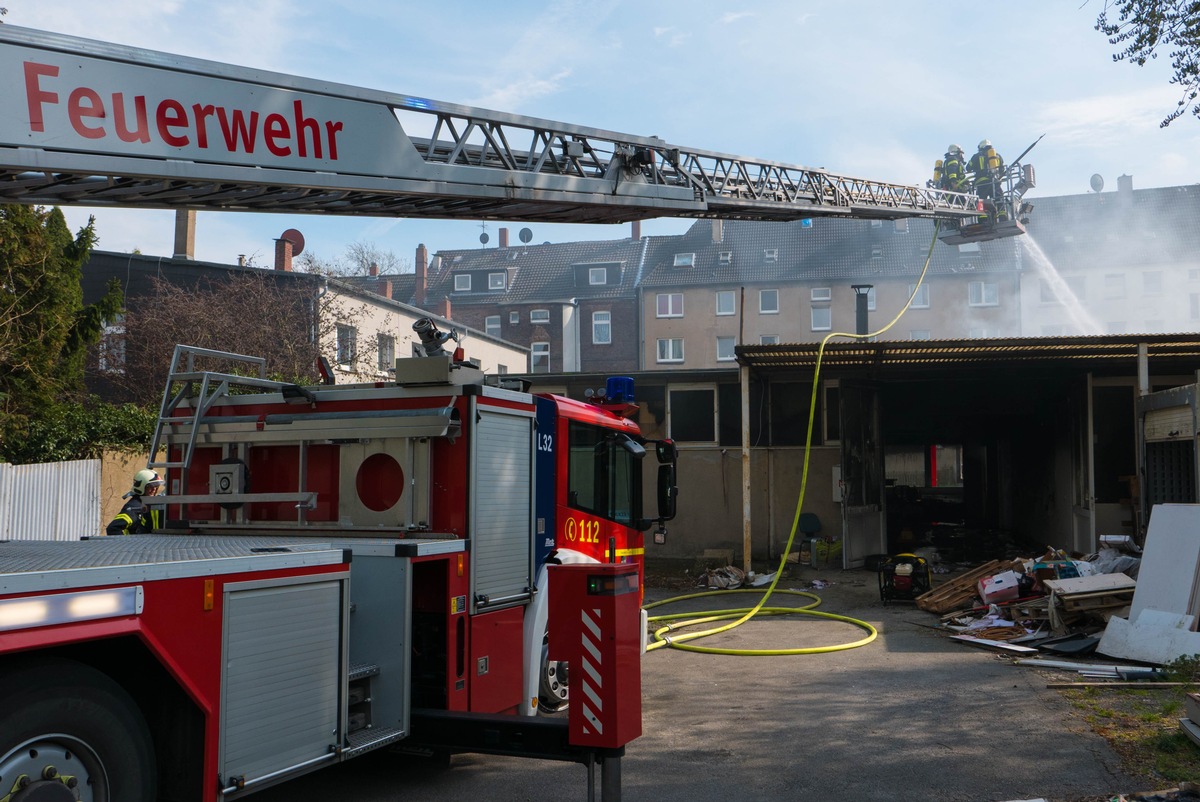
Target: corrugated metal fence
(50, 501)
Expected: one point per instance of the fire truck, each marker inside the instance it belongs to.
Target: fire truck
(346, 568)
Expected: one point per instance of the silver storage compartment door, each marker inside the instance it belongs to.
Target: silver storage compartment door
(501, 508)
(281, 681)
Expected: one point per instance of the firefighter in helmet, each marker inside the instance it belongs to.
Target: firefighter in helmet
(137, 517)
(954, 170)
(987, 168)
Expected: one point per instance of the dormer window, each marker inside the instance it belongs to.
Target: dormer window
(725, 257)
(462, 282)
(597, 276)
(771, 255)
(876, 251)
(685, 260)
(497, 281)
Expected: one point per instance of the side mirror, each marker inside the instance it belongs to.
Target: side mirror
(666, 451)
(667, 493)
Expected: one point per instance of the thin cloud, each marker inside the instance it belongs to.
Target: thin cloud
(1102, 120)
(521, 91)
(734, 16)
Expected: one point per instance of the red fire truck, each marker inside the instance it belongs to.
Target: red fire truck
(343, 568)
(346, 567)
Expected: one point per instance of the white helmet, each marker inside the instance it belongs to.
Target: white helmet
(955, 149)
(984, 144)
(145, 478)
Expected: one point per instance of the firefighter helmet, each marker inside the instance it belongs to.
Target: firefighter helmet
(984, 144)
(144, 479)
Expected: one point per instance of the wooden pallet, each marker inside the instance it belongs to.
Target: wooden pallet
(959, 591)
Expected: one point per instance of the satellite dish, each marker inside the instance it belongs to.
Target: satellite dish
(1097, 182)
(483, 238)
(296, 238)
(526, 235)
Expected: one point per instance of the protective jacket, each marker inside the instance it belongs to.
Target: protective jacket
(135, 518)
(954, 175)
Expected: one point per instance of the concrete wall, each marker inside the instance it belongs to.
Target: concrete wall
(710, 501)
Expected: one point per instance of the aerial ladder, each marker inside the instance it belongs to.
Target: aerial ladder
(99, 124)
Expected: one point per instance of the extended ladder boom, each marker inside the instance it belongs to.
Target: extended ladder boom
(85, 122)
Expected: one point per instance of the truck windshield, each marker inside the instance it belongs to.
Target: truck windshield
(603, 477)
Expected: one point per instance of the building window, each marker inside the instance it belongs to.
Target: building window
(670, 350)
(822, 318)
(1053, 330)
(819, 294)
(1194, 304)
(387, 353)
(919, 334)
(514, 318)
(983, 293)
(669, 304)
(919, 295)
(539, 316)
(981, 333)
(1117, 327)
(491, 325)
(902, 225)
(601, 328)
(692, 414)
(1156, 326)
(726, 302)
(725, 349)
(1152, 282)
(1077, 285)
(1114, 285)
(769, 339)
(462, 282)
(347, 344)
(539, 357)
(685, 260)
(968, 248)
(1194, 274)
(501, 370)
(1047, 292)
(725, 257)
(768, 302)
(876, 251)
(876, 224)
(112, 347)
(597, 275)
(771, 255)
(871, 299)
(497, 281)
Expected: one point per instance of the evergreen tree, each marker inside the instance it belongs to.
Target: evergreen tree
(45, 329)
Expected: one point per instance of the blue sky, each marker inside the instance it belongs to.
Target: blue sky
(869, 88)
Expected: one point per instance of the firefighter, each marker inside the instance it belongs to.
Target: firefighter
(137, 517)
(987, 168)
(954, 170)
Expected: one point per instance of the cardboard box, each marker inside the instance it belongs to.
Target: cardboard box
(999, 588)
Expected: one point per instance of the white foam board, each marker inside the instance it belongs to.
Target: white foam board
(1167, 578)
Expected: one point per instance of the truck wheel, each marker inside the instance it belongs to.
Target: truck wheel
(553, 686)
(72, 734)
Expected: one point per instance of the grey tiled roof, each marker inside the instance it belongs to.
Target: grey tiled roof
(540, 272)
(1123, 228)
(828, 248)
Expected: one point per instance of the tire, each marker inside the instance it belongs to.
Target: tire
(67, 715)
(554, 688)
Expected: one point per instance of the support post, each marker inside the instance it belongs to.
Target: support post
(744, 378)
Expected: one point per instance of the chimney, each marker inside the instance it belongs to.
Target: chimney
(373, 269)
(442, 308)
(185, 234)
(283, 255)
(504, 238)
(1125, 190)
(718, 230)
(420, 268)
(636, 229)
(387, 288)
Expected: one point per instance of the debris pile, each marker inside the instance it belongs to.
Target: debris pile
(1053, 602)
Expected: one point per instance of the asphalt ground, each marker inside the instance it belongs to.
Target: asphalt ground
(912, 716)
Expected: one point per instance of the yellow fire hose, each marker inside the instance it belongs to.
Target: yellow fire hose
(663, 635)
